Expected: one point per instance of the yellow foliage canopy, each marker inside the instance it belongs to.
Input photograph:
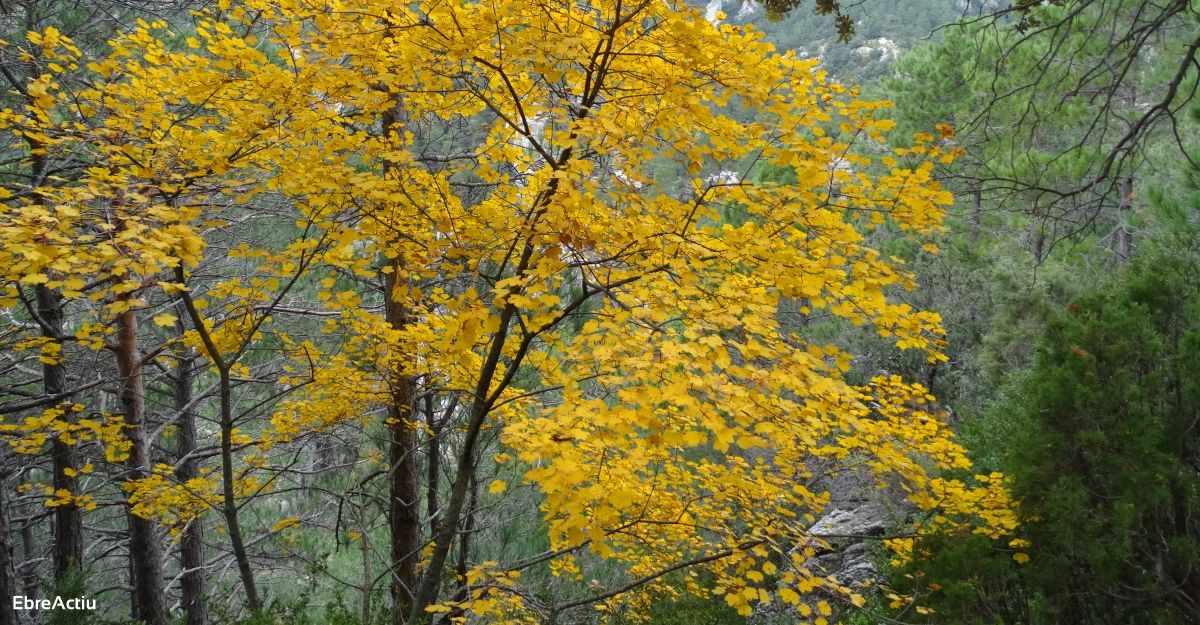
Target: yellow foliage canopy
(626, 340)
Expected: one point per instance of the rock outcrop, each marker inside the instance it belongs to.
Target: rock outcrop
(857, 517)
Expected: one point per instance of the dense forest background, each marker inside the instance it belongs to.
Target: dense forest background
(222, 401)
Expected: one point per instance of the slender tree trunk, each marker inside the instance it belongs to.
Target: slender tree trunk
(404, 509)
(145, 551)
(8, 585)
(1124, 236)
(28, 571)
(191, 544)
(481, 405)
(1123, 243)
(427, 588)
(230, 500)
(404, 512)
(404, 501)
(468, 527)
(68, 524)
(434, 460)
(368, 575)
(976, 212)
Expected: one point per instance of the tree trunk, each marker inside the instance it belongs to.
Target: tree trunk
(1123, 245)
(434, 464)
(468, 527)
(245, 571)
(68, 524)
(1037, 240)
(404, 512)
(145, 551)
(976, 212)
(191, 544)
(229, 500)
(404, 502)
(368, 575)
(28, 571)
(8, 585)
(427, 589)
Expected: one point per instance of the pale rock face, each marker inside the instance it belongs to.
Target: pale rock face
(749, 7)
(620, 175)
(847, 526)
(725, 177)
(857, 519)
(745, 10)
(858, 516)
(710, 11)
(890, 49)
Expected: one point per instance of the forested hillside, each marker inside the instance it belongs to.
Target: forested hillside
(556, 313)
(882, 31)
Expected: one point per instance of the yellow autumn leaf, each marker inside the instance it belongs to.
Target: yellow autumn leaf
(283, 524)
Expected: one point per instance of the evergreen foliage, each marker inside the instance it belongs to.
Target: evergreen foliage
(1100, 440)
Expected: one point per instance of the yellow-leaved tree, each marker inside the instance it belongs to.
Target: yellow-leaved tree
(474, 194)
